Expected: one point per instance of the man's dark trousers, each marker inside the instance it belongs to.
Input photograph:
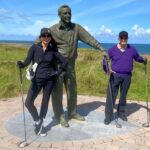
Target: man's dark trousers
(117, 81)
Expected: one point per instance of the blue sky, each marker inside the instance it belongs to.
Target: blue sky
(104, 19)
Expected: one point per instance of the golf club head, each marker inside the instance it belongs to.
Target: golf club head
(145, 124)
(23, 144)
(118, 125)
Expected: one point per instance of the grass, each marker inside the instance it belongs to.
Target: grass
(91, 79)
(9, 74)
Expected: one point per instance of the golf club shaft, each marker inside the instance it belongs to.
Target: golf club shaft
(146, 95)
(112, 103)
(110, 91)
(21, 89)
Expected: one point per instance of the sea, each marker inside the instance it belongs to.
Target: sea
(141, 48)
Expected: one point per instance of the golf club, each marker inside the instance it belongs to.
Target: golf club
(118, 125)
(23, 143)
(146, 124)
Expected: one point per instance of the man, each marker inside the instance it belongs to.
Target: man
(122, 56)
(66, 35)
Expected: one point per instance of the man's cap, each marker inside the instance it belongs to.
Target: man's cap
(123, 33)
(44, 31)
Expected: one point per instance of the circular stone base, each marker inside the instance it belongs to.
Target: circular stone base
(93, 127)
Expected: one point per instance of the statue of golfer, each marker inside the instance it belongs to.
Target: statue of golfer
(66, 35)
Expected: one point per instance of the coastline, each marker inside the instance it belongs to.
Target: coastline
(27, 44)
(143, 49)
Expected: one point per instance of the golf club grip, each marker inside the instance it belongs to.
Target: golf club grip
(20, 75)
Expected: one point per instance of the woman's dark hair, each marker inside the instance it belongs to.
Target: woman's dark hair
(53, 44)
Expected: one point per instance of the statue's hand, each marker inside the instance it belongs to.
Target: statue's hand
(105, 54)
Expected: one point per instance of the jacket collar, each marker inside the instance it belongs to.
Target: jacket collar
(62, 26)
(48, 47)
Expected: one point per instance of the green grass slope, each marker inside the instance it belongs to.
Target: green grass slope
(91, 79)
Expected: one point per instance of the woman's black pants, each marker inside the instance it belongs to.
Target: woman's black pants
(36, 86)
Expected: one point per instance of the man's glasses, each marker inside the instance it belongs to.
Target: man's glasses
(123, 38)
(45, 35)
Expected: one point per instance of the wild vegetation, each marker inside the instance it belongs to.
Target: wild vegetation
(91, 79)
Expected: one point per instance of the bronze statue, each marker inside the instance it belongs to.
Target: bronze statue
(66, 35)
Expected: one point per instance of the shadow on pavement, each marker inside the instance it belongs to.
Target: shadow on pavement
(133, 107)
(86, 108)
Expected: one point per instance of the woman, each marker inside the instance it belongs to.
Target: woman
(45, 55)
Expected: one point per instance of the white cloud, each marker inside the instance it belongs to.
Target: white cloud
(3, 11)
(140, 31)
(11, 15)
(35, 28)
(105, 30)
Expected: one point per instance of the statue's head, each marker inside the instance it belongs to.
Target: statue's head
(64, 12)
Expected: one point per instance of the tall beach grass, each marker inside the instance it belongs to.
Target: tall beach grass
(91, 79)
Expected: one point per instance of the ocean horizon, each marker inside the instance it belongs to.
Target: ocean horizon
(141, 48)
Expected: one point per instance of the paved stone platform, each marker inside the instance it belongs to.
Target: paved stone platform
(89, 135)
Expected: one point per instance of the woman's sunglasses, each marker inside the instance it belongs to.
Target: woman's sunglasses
(46, 35)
